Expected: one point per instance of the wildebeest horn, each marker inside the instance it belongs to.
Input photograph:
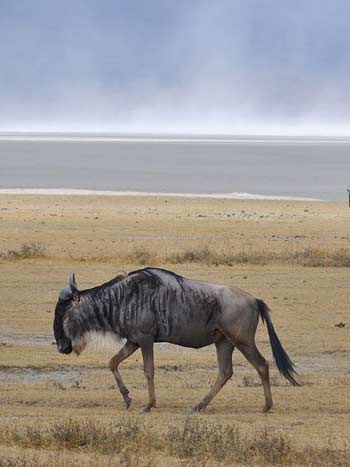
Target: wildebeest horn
(72, 284)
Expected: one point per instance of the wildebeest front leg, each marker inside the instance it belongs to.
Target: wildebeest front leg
(128, 349)
(148, 366)
(224, 350)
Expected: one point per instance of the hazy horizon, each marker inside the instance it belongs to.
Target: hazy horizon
(238, 68)
(60, 135)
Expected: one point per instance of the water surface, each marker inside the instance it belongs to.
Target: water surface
(277, 166)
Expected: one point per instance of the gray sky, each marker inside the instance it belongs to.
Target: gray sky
(250, 66)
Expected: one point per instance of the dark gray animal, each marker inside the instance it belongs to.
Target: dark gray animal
(154, 305)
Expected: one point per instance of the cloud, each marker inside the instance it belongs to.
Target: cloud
(234, 66)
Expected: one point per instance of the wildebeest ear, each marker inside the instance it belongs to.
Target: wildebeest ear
(65, 294)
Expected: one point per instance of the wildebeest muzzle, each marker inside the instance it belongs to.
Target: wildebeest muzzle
(64, 346)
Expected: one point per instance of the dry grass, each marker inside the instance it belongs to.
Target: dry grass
(153, 230)
(61, 410)
(74, 434)
(227, 443)
(307, 257)
(54, 458)
(194, 440)
(310, 257)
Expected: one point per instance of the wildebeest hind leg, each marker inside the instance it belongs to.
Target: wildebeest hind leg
(224, 350)
(254, 357)
(128, 349)
(148, 366)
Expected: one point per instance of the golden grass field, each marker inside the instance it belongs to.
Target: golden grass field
(64, 410)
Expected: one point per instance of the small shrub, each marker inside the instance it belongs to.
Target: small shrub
(170, 367)
(201, 440)
(341, 258)
(75, 434)
(203, 255)
(14, 462)
(26, 250)
(273, 448)
(141, 256)
(249, 382)
(34, 436)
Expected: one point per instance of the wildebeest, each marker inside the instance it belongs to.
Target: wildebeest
(155, 305)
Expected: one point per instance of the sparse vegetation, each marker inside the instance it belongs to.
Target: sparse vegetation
(311, 257)
(45, 458)
(74, 434)
(227, 443)
(276, 381)
(307, 257)
(130, 439)
(25, 251)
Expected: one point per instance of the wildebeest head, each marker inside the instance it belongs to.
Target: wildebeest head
(65, 303)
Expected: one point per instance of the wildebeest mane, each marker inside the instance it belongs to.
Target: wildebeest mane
(149, 271)
(100, 288)
(146, 273)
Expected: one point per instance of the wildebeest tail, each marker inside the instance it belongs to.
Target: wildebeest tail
(283, 362)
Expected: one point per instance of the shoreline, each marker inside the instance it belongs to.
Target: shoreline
(88, 192)
(151, 137)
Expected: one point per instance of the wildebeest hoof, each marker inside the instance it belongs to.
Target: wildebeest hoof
(128, 403)
(267, 408)
(197, 408)
(147, 408)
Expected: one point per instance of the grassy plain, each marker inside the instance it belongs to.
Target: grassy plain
(64, 410)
